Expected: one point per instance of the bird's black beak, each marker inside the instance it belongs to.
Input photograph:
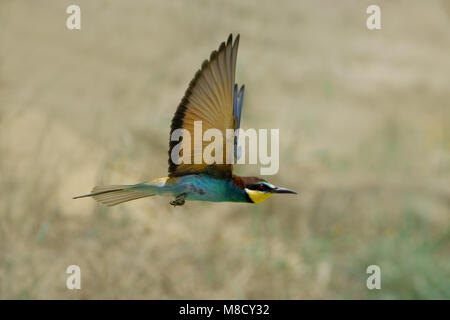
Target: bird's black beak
(282, 190)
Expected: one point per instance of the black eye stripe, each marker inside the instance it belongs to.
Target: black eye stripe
(258, 187)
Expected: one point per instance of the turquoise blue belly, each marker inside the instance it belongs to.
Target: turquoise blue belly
(206, 188)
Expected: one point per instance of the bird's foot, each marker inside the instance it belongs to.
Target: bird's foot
(179, 200)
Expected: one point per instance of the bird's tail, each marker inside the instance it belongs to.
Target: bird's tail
(115, 194)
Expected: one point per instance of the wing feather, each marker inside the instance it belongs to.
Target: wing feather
(210, 99)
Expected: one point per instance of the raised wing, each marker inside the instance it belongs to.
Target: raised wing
(211, 98)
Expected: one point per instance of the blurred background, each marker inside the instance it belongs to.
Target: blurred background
(364, 122)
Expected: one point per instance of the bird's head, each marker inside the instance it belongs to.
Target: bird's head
(259, 189)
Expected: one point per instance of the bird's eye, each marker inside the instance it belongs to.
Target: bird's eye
(261, 187)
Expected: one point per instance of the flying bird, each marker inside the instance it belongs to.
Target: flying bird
(213, 98)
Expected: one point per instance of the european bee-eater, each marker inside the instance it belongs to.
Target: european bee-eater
(213, 98)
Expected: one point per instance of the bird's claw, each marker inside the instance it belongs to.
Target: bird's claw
(178, 201)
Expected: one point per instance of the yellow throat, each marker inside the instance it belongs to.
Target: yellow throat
(257, 196)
